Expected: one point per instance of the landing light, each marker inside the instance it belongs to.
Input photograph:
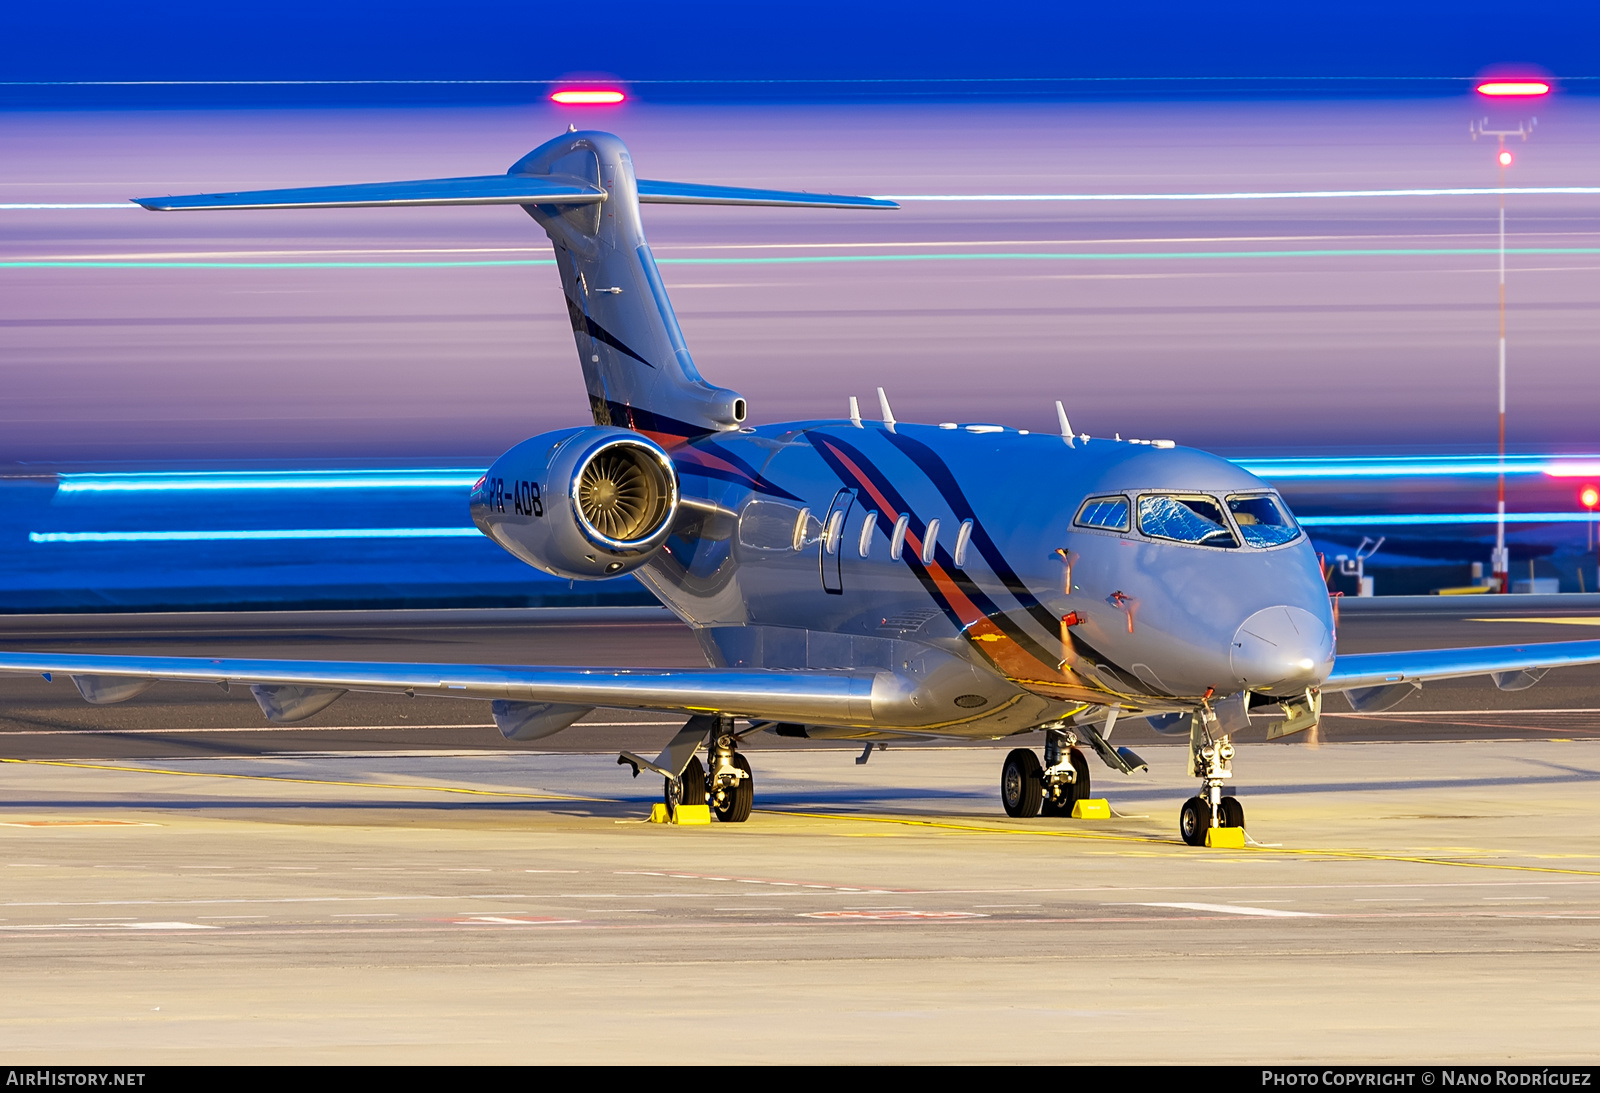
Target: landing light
(1513, 89)
(586, 97)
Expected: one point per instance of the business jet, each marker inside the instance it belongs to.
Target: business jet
(857, 579)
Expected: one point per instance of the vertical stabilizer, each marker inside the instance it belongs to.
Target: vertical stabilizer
(635, 363)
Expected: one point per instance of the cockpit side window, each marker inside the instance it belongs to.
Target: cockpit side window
(1107, 513)
(1185, 519)
(1262, 519)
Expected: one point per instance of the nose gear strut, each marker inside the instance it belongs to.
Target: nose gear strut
(1210, 760)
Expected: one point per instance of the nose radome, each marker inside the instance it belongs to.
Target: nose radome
(1279, 646)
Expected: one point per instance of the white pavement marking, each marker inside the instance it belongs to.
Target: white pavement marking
(1232, 909)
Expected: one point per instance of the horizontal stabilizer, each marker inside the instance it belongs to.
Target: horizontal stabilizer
(475, 190)
(652, 191)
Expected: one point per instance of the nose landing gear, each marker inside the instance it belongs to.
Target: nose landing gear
(1210, 760)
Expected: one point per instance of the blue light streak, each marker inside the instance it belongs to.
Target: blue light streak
(1448, 466)
(1425, 519)
(246, 536)
(419, 479)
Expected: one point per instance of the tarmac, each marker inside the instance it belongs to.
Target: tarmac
(204, 897)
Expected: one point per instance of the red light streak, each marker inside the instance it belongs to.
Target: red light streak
(587, 96)
(1513, 89)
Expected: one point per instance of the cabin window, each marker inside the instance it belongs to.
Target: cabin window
(963, 537)
(1262, 519)
(868, 527)
(897, 540)
(1110, 513)
(1185, 519)
(830, 540)
(930, 542)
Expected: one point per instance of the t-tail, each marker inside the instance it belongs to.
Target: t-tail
(582, 190)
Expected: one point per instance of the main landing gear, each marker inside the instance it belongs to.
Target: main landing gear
(1027, 789)
(729, 789)
(1210, 760)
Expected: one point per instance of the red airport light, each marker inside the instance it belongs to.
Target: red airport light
(1590, 497)
(587, 96)
(1513, 89)
(1505, 159)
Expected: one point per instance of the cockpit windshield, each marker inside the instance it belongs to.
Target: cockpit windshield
(1185, 519)
(1262, 519)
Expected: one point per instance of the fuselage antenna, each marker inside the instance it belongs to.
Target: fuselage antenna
(1066, 426)
(855, 412)
(888, 414)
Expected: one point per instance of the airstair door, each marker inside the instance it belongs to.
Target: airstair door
(830, 550)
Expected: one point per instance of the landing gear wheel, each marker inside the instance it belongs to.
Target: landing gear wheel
(691, 786)
(733, 804)
(1080, 786)
(1194, 821)
(1230, 813)
(1021, 785)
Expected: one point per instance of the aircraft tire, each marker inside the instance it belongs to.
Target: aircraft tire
(692, 785)
(1021, 784)
(738, 802)
(1232, 813)
(1194, 820)
(1080, 787)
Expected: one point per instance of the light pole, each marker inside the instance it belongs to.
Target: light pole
(1500, 563)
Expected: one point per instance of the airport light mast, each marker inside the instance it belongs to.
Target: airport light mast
(1500, 563)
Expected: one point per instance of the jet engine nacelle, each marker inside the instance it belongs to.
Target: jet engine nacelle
(580, 503)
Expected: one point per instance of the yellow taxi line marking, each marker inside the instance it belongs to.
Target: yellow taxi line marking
(1347, 855)
(312, 781)
(1563, 620)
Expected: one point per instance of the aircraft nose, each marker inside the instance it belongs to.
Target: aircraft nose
(1282, 648)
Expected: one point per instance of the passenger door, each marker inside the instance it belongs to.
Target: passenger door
(830, 548)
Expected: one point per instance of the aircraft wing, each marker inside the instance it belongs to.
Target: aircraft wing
(825, 695)
(1511, 665)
